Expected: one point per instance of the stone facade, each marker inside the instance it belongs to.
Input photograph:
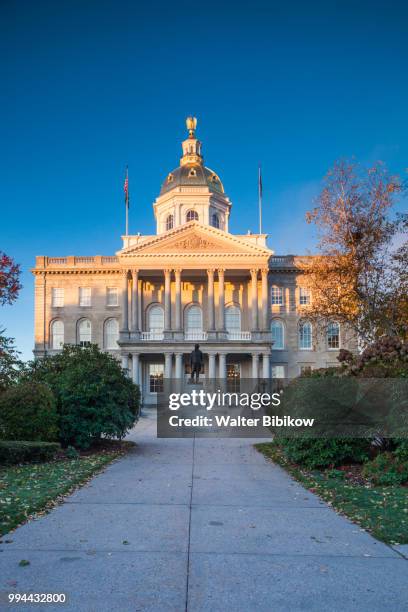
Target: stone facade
(191, 282)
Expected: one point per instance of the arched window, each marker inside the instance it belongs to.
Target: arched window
(84, 332)
(305, 335)
(333, 335)
(156, 319)
(169, 222)
(193, 319)
(57, 334)
(215, 220)
(111, 334)
(277, 330)
(192, 215)
(233, 319)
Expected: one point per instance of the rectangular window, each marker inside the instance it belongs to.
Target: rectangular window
(278, 371)
(277, 296)
(305, 369)
(156, 374)
(112, 296)
(84, 296)
(304, 296)
(333, 336)
(57, 296)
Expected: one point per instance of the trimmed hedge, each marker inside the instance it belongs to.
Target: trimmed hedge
(386, 470)
(324, 452)
(28, 412)
(15, 451)
(401, 448)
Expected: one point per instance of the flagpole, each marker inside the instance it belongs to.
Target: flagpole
(127, 201)
(260, 198)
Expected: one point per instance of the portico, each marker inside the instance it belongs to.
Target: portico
(207, 306)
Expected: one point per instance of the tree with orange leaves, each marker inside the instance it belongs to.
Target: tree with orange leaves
(359, 278)
(9, 279)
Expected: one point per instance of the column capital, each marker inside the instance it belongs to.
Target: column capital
(254, 272)
(220, 271)
(135, 271)
(264, 271)
(177, 271)
(210, 271)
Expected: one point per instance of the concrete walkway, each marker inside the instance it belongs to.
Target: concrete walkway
(200, 525)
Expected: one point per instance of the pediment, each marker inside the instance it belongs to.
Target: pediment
(194, 238)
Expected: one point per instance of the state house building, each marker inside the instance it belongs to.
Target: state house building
(193, 281)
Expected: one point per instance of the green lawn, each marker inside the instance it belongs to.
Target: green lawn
(383, 511)
(32, 488)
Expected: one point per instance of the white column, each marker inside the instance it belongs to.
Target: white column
(135, 300)
(210, 304)
(167, 365)
(265, 300)
(167, 299)
(141, 305)
(135, 368)
(125, 302)
(177, 274)
(222, 364)
(211, 366)
(221, 301)
(254, 299)
(179, 365)
(125, 363)
(265, 366)
(255, 357)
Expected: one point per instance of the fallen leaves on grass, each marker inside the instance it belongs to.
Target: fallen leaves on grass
(36, 488)
(380, 510)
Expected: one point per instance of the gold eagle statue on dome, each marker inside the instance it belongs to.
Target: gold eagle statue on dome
(191, 123)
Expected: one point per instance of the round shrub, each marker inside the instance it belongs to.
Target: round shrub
(387, 357)
(324, 452)
(94, 396)
(28, 412)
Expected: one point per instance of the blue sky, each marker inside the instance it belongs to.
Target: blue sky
(88, 87)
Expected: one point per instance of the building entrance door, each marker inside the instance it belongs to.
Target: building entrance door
(233, 376)
(154, 377)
